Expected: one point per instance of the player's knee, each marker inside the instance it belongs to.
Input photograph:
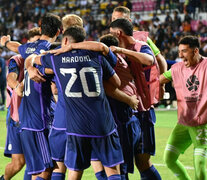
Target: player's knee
(142, 161)
(171, 154)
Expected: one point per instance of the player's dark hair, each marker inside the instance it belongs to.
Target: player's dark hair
(123, 24)
(76, 32)
(122, 9)
(50, 23)
(192, 41)
(34, 32)
(109, 40)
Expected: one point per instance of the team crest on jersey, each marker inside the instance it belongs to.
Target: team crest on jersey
(192, 83)
(30, 50)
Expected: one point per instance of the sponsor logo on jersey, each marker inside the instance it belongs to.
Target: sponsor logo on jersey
(192, 83)
(30, 50)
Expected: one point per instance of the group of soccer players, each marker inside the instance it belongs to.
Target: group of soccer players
(64, 119)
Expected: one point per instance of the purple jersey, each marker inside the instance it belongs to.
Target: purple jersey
(80, 74)
(36, 47)
(59, 122)
(59, 115)
(34, 110)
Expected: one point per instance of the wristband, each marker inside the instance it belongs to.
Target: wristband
(6, 43)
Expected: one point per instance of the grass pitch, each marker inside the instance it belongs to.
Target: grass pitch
(166, 120)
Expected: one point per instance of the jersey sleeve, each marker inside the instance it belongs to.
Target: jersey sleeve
(154, 48)
(46, 61)
(146, 49)
(168, 75)
(108, 71)
(42, 47)
(112, 59)
(21, 50)
(13, 67)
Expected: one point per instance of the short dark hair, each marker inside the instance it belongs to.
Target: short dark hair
(50, 23)
(76, 32)
(34, 32)
(192, 41)
(109, 40)
(124, 25)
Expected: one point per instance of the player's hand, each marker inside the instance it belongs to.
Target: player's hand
(134, 102)
(4, 39)
(35, 75)
(19, 89)
(61, 50)
(116, 49)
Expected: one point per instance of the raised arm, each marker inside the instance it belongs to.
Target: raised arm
(11, 45)
(160, 59)
(142, 58)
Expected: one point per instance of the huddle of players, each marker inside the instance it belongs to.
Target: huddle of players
(83, 130)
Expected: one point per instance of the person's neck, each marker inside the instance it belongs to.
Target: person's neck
(197, 60)
(127, 42)
(47, 38)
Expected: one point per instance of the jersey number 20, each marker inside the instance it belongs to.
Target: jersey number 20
(82, 74)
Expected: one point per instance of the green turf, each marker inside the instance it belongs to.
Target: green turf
(166, 120)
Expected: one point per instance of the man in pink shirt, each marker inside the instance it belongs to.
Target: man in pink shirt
(189, 78)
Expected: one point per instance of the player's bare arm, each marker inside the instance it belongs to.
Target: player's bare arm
(142, 58)
(119, 95)
(89, 45)
(19, 89)
(54, 91)
(162, 63)
(163, 79)
(33, 72)
(11, 45)
(12, 80)
(115, 81)
(36, 59)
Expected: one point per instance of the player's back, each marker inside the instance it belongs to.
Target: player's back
(33, 111)
(80, 74)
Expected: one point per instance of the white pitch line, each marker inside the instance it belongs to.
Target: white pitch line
(186, 167)
(163, 165)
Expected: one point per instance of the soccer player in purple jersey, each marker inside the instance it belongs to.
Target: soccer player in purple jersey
(57, 136)
(88, 128)
(141, 57)
(121, 111)
(34, 108)
(13, 146)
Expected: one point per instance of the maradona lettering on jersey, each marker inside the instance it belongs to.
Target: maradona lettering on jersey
(30, 50)
(75, 59)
